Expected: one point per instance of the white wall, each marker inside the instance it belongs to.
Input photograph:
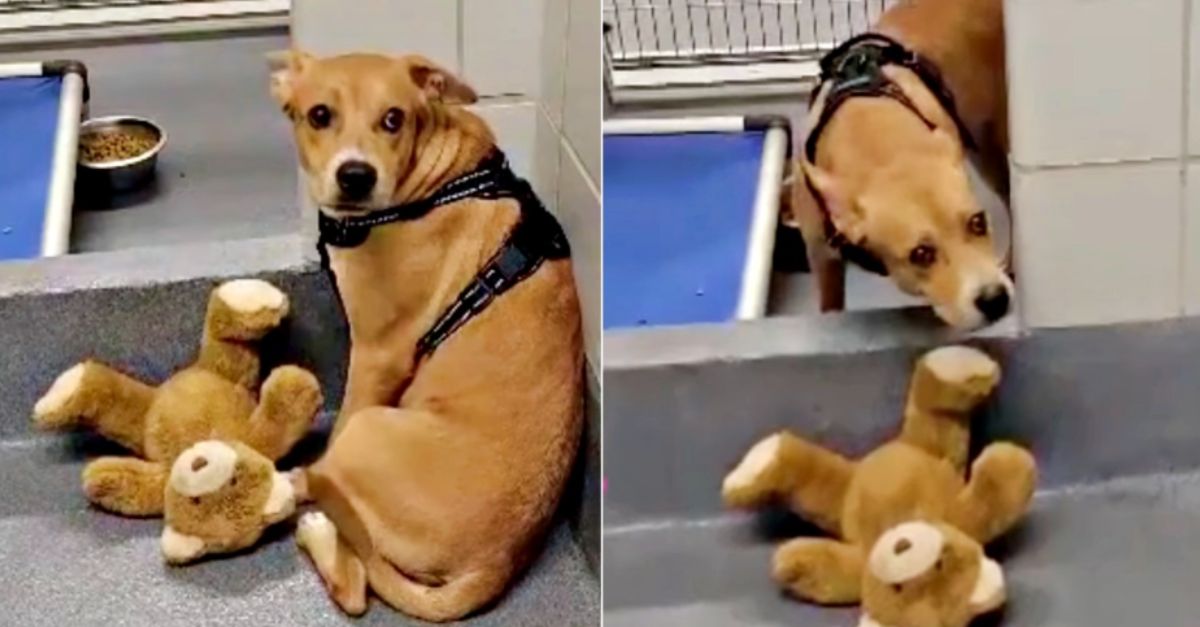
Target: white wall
(1106, 158)
(536, 66)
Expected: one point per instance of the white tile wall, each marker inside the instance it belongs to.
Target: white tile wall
(1194, 81)
(1191, 241)
(1098, 244)
(579, 210)
(428, 27)
(1095, 80)
(554, 58)
(515, 127)
(582, 108)
(501, 45)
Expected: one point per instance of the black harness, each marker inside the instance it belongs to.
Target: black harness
(855, 70)
(537, 237)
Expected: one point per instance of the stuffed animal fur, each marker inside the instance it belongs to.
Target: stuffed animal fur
(212, 399)
(908, 526)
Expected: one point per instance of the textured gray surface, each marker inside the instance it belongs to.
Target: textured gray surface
(1108, 411)
(1115, 554)
(228, 171)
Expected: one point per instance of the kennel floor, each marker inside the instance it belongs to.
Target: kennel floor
(1121, 552)
(68, 564)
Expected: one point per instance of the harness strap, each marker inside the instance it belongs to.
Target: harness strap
(537, 237)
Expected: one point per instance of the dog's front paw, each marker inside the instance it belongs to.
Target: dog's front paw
(317, 536)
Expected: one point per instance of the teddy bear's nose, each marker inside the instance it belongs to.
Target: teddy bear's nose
(199, 463)
(901, 547)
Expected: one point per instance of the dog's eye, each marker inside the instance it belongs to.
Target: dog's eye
(923, 256)
(320, 116)
(392, 120)
(977, 225)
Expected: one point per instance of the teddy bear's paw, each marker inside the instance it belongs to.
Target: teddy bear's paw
(963, 365)
(753, 481)
(254, 305)
(54, 410)
(819, 571)
(293, 392)
(316, 535)
(125, 485)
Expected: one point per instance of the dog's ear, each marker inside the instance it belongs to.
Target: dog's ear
(286, 67)
(832, 193)
(437, 83)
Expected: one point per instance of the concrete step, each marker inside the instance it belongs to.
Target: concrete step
(67, 564)
(1122, 552)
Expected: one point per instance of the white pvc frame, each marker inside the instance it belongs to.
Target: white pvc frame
(756, 274)
(56, 225)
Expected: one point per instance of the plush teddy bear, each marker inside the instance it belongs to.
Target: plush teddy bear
(212, 399)
(910, 526)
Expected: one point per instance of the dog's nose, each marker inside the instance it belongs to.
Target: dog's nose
(992, 302)
(356, 179)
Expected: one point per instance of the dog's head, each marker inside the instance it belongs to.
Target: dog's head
(362, 120)
(919, 216)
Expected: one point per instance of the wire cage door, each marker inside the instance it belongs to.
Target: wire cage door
(658, 33)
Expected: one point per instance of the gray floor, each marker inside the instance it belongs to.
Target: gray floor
(1116, 554)
(228, 170)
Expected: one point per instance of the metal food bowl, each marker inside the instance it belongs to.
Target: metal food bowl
(123, 174)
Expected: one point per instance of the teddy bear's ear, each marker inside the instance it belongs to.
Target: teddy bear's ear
(180, 548)
(989, 592)
(282, 500)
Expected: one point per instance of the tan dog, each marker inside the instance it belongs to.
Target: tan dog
(899, 190)
(442, 476)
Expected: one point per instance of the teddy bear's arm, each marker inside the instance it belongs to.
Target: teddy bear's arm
(290, 400)
(239, 312)
(126, 485)
(948, 384)
(820, 571)
(998, 494)
(93, 395)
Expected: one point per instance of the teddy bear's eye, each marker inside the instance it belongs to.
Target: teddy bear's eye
(233, 481)
(897, 588)
(195, 500)
(938, 565)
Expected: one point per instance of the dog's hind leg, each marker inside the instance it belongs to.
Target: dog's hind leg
(455, 598)
(239, 313)
(340, 569)
(785, 468)
(93, 395)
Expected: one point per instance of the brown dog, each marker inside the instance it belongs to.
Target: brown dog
(892, 175)
(444, 471)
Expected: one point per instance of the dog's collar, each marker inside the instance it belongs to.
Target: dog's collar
(491, 179)
(855, 70)
(537, 237)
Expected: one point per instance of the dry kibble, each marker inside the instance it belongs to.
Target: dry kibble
(115, 145)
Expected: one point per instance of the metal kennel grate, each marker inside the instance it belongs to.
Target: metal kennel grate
(658, 33)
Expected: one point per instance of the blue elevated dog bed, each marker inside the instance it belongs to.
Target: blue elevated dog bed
(690, 209)
(40, 111)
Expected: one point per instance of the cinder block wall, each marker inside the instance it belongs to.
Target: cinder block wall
(1105, 125)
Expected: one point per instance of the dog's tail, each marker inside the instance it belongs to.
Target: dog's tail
(456, 598)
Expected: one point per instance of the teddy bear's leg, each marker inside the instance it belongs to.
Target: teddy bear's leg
(811, 479)
(125, 485)
(93, 395)
(820, 571)
(290, 399)
(239, 313)
(998, 493)
(342, 571)
(948, 384)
